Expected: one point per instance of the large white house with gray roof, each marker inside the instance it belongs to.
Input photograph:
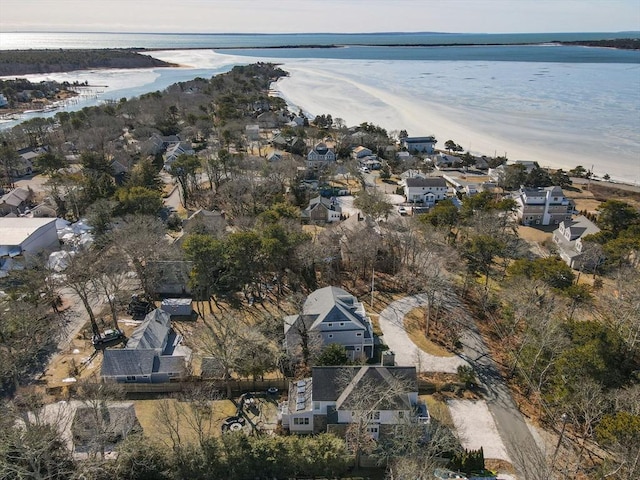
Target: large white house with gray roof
(427, 190)
(542, 206)
(334, 397)
(418, 144)
(331, 315)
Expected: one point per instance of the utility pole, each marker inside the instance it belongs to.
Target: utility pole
(373, 274)
(564, 417)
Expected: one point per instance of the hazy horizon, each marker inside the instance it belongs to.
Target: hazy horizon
(326, 16)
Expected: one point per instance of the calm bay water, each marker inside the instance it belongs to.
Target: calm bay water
(560, 105)
(168, 41)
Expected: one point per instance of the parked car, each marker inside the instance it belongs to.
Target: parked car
(402, 211)
(444, 474)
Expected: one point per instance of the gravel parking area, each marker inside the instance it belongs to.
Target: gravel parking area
(407, 353)
(476, 427)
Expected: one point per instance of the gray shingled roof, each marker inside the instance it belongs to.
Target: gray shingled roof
(152, 332)
(119, 421)
(331, 304)
(123, 362)
(340, 384)
(426, 182)
(168, 364)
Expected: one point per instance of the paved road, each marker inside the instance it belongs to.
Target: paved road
(520, 444)
(407, 353)
(509, 421)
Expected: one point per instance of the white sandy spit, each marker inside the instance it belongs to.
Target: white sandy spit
(560, 115)
(476, 428)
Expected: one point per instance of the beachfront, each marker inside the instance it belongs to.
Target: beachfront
(529, 114)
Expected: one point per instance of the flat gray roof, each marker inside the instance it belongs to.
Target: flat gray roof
(15, 230)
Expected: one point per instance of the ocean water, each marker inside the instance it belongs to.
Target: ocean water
(47, 40)
(560, 105)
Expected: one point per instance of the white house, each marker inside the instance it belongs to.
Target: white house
(418, 144)
(542, 206)
(569, 238)
(425, 190)
(331, 315)
(24, 236)
(381, 396)
(322, 210)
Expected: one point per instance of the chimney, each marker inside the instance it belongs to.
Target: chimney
(388, 359)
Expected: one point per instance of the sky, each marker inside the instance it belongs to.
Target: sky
(313, 16)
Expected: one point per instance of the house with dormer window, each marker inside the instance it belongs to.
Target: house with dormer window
(322, 210)
(569, 237)
(320, 155)
(380, 397)
(542, 206)
(427, 190)
(331, 315)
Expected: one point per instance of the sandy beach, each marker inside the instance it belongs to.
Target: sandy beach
(560, 115)
(558, 126)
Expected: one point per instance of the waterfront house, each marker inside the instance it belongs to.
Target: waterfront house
(542, 206)
(267, 120)
(418, 144)
(443, 161)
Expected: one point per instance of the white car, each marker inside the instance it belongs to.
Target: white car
(402, 211)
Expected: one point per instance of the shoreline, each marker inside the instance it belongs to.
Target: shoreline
(325, 86)
(393, 112)
(406, 45)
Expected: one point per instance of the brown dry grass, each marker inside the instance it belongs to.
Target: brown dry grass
(147, 413)
(414, 326)
(530, 234)
(438, 409)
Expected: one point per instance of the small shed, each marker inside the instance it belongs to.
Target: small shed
(177, 307)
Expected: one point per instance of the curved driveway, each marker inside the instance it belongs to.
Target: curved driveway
(407, 353)
(514, 440)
